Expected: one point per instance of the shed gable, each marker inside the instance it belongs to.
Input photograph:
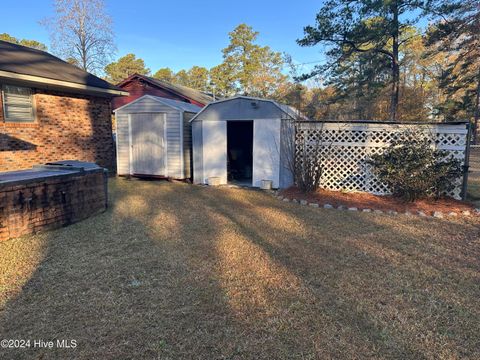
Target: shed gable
(241, 108)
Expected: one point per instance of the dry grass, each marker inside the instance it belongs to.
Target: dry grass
(474, 177)
(176, 271)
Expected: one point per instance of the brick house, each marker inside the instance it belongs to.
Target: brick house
(51, 110)
(140, 85)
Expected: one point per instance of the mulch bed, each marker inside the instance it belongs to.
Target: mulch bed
(374, 202)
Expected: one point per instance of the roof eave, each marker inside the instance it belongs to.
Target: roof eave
(60, 83)
(152, 82)
(157, 99)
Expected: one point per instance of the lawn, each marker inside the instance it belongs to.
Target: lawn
(474, 177)
(175, 271)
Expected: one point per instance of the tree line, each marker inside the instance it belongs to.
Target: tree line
(381, 63)
(247, 68)
(398, 60)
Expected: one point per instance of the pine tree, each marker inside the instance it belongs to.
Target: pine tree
(458, 33)
(247, 67)
(124, 67)
(373, 28)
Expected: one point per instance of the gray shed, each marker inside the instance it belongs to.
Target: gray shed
(154, 137)
(243, 140)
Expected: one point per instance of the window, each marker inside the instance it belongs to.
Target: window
(17, 104)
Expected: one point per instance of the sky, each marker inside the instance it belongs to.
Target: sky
(180, 34)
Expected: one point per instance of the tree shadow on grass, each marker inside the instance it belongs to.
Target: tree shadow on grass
(356, 284)
(179, 271)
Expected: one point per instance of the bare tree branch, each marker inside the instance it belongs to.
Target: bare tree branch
(82, 31)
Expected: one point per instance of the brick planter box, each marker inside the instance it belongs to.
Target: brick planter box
(50, 196)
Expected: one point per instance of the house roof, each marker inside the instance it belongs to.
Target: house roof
(183, 91)
(287, 109)
(179, 105)
(23, 63)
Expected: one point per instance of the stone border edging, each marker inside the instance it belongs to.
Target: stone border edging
(436, 214)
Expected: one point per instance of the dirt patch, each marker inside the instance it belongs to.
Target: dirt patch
(384, 203)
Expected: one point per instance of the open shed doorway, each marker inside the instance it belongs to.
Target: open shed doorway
(240, 152)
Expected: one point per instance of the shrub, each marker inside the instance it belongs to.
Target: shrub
(412, 169)
(308, 172)
(303, 160)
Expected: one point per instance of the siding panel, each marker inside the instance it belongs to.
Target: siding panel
(197, 148)
(187, 143)
(123, 155)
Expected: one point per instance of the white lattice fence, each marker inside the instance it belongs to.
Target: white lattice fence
(343, 148)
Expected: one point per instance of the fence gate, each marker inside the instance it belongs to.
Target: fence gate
(344, 147)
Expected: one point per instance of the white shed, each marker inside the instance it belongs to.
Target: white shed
(154, 137)
(243, 140)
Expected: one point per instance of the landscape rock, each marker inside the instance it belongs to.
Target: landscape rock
(352, 209)
(327, 206)
(378, 211)
(466, 213)
(341, 207)
(392, 212)
(314, 205)
(408, 213)
(421, 213)
(452, 213)
(367, 210)
(438, 214)
(303, 202)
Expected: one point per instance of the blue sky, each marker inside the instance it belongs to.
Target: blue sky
(180, 34)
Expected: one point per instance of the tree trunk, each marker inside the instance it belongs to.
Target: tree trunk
(395, 67)
(476, 115)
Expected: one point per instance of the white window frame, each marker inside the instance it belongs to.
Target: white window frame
(4, 106)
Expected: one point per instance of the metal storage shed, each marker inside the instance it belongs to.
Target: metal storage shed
(154, 137)
(243, 140)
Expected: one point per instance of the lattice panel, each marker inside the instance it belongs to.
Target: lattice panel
(343, 148)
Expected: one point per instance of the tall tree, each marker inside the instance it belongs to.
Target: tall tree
(25, 42)
(82, 30)
(347, 27)
(124, 67)
(222, 80)
(459, 34)
(165, 74)
(198, 78)
(181, 78)
(253, 69)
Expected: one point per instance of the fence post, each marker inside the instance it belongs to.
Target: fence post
(466, 164)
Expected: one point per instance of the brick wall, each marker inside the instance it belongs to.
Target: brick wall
(50, 203)
(67, 126)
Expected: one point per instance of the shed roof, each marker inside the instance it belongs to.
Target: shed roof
(179, 105)
(184, 91)
(247, 108)
(24, 63)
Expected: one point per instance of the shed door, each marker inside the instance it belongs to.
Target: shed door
(215, 150)
(266, 151)
(148, 153)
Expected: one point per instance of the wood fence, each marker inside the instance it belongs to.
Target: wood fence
(343, 148)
